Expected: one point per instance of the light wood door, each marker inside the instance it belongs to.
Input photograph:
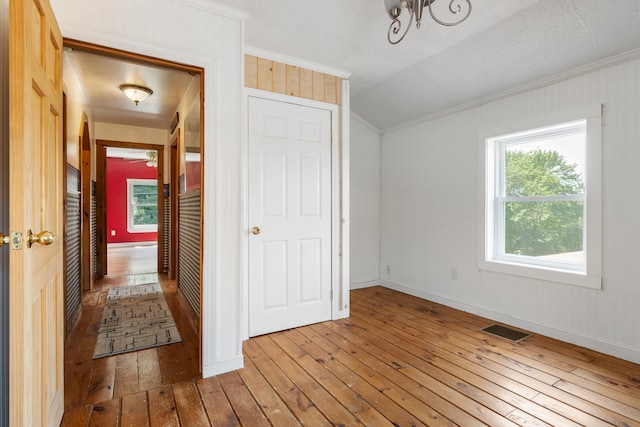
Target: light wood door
(35, 152)
(290, 203)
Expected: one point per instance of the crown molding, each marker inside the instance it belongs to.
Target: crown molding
(527, 87)
(216, 8)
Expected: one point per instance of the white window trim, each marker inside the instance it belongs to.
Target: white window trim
(591, 278)
(131, 228)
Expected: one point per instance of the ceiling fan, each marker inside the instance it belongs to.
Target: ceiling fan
(152, 159)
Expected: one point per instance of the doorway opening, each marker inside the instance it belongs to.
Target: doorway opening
(129, 208)
(141, 244)
(134, 215)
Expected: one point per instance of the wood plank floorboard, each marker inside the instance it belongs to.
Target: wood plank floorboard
(396, 361)
(162, 407)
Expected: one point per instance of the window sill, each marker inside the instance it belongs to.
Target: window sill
(543, 273)
(143, 230)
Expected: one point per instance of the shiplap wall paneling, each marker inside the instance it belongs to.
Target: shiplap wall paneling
(273, 76)
(429, 214)
(189, 248)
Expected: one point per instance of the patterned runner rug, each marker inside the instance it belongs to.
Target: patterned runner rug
(135, 317)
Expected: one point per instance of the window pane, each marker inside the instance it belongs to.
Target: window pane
(145, 194)
(545, 229)
(145, 215)
(545, 167)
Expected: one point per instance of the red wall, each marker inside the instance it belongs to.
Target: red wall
(192, 172)
(118, 170)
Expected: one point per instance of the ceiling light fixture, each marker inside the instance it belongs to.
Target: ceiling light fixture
(415, 8)
(153, 159)
(136, 93)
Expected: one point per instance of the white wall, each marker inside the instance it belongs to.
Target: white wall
(204, 34)
(429, 200)
(142, 135)
(364, 203)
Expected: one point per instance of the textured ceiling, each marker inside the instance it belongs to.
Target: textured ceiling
(503, 44)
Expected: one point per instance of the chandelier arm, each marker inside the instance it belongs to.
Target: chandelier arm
(395, 27)
(455, 8)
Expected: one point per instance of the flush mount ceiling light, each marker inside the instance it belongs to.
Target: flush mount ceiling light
(136, 93)
(415, 9)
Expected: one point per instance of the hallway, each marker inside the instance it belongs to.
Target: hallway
(101, 383)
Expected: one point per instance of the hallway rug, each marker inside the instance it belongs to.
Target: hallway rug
(135, 317)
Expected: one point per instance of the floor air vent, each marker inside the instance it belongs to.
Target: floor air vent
(506, 333)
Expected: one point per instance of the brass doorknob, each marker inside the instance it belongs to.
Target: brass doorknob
(256, 230)
(4, 240)
(44, 238)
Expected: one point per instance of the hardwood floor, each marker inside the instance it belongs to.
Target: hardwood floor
(131, 260)
(398, 360)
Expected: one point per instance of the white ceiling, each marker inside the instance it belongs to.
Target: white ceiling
(128, 153)
(100, 78)
(503, 44)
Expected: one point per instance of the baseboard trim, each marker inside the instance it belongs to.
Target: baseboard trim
(131, 244)
(632, 355)
(223, 367)
(365, 284)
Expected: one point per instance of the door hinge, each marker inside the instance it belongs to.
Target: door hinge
(331, 295)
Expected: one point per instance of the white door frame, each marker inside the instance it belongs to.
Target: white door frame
(339, 201)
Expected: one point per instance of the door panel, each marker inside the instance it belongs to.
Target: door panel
(36, 168)
(274, 276)
(310, 251)
(290, 203)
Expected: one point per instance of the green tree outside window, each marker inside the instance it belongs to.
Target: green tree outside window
(542, 227)
(143, 200)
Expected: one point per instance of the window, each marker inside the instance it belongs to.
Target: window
(142, 206)
(542, 203)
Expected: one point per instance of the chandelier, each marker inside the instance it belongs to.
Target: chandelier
(415, 8)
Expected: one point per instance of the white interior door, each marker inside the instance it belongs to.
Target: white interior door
(289, 215)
